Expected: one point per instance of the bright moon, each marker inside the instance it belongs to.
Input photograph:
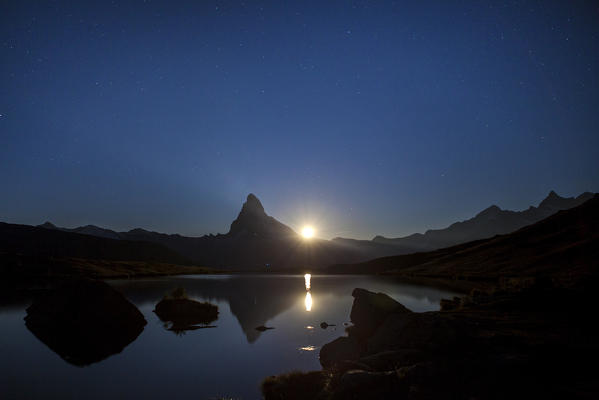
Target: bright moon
(307, 232)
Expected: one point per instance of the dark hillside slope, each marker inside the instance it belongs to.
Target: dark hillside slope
(35, 241)
(488, 223)
(564, 245)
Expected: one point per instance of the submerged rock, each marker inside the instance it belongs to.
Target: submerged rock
(263, 328)
(85, 321)
(185, 314)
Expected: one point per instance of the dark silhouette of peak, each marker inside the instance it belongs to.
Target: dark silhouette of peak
(252, 206)
(552, 200)
(491, 211)
(97, 231)
(91, 230)
(138, 231)
(253, 221)
(555, 202)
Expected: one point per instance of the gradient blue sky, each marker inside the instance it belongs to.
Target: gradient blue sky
(361, 118)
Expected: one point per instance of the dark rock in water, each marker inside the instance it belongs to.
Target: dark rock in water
(85, 321)
(324, 325)
(340, 349)
(263, 328)
(370, 310)
(185, 314)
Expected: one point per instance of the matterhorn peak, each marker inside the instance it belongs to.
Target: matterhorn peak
(253, 220)
(252, 206)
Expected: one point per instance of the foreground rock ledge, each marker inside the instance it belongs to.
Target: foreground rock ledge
(532, 342)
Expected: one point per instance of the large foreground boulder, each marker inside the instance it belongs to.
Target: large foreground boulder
(84, 321)
(297, 386)
(358, 385)
(531, 342)
(423, 331)
(370, 310)
(341, 349)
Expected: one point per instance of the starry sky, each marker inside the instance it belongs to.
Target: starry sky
(358, 117)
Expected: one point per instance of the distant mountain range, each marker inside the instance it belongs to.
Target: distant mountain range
(256, 240)
(487, 223)
(33, 252)
(564, 246)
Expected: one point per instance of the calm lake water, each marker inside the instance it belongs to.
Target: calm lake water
(229, 360)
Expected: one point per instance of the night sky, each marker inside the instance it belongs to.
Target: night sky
(361, 118)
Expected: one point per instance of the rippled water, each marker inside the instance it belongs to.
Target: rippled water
(229, 360)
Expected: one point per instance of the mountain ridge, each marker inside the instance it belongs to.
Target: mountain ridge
(478, 227)
(256, 240)
(561, 246)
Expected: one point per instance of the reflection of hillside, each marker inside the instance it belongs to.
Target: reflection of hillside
(253, 300)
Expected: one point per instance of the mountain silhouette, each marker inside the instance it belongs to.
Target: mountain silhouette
(256, 240)
(487, 223)
(562, 246)
(44, 243)
(253, 221)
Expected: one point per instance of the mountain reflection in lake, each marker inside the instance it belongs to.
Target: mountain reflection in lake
(229, 360)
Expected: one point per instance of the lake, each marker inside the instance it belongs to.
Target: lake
(228, 360)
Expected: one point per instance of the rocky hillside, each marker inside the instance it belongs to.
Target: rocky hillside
(487, 223)
(566, 245)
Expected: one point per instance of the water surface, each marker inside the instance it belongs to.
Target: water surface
(228, 360)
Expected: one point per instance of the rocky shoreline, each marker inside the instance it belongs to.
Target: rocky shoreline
(512, 342)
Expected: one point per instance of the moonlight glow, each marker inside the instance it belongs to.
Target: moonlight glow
(307, 232)
(308, 301)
